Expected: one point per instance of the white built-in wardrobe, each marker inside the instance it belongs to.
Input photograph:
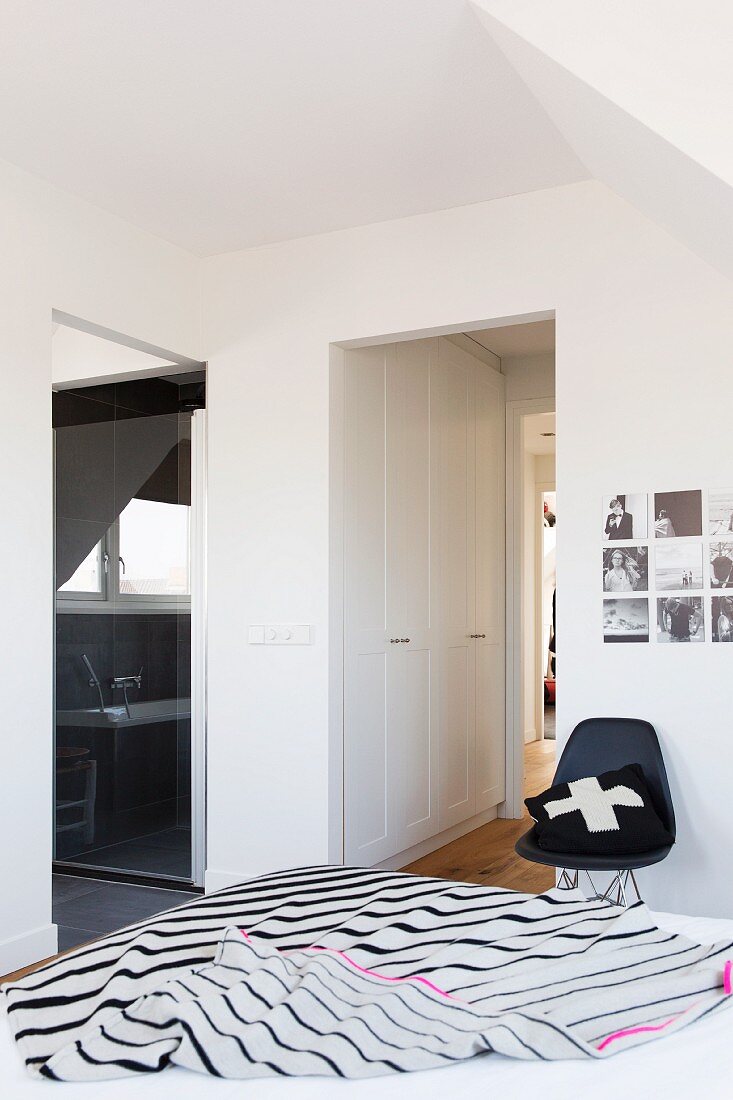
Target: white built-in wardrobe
(424, 646)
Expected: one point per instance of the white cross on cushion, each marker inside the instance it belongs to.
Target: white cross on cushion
(595, 804)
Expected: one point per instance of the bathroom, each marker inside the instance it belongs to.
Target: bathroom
(129, 509)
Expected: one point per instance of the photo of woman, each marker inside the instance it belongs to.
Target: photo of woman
(625, 569)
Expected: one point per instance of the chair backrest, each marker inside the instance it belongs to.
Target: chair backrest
(605, 744)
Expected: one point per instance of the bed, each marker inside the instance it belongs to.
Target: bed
(308, 905)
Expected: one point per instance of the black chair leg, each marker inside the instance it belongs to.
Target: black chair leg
(620, 883)
(616, 892)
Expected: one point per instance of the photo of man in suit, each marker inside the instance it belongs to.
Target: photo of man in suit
(619, 523)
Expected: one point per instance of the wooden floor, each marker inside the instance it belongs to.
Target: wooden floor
(487, 854)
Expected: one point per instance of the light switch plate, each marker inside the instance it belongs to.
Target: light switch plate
(281, 634)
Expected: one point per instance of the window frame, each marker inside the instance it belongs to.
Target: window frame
(102, 596)
(111, 600)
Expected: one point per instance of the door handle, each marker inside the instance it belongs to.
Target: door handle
(477, 635)
(404, 639)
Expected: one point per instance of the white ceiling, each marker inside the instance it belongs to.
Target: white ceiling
(533, 338)
(224, 124)
(537, 441)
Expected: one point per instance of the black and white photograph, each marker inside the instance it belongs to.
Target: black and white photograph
(720, 512)
(680, 619)
(721, 618)
(625, 517)
(625, 569)
(678, 565)
(678, 515)
(721, 564)
(626, 620)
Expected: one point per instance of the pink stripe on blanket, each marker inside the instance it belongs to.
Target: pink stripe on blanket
(369, 973)
(638, 1030)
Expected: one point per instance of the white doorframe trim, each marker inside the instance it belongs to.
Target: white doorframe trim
(540, 488)
(516, 411)
(512, 806)
(336, 460)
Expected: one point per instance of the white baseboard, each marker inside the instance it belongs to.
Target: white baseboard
(438, 841)
(30, 947)
(219, 880)
(530, 735)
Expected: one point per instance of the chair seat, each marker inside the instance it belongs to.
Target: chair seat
(528, 848)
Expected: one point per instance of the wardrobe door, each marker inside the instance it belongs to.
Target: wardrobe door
(412, 480)
(372, 674)
(455, 492)
(490, 590)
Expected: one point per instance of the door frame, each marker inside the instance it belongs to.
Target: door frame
(540, 488)
(335, 834)
(175, 363)
(516, 597)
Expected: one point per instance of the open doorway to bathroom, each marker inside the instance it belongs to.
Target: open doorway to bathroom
(128, 752)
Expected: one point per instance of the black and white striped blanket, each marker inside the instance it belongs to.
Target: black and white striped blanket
(356, 973)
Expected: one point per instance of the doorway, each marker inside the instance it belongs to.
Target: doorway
(129, 658)
(526, 369)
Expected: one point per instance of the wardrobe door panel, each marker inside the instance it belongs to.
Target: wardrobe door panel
(456, 506)
(419, 757)
(413, 479)
(371, 701)
(490, 590)
(368, 765)
(490, 725)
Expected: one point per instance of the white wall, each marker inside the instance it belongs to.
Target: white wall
(636, 313)
(56, 252)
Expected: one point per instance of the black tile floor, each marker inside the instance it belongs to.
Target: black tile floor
(166, 853)
(86, 908)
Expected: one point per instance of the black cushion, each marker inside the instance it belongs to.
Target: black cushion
(605, 814)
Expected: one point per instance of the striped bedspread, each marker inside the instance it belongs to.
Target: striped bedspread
(355, 973)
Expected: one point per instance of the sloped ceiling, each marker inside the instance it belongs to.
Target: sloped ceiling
(227, 124)
(642, 95)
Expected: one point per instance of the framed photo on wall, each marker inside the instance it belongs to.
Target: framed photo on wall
(680, 619)
(625, 517)
(677, 515)
(720, 512)
(678, 565)
(626, 620)
(721, 618)
(625, 568)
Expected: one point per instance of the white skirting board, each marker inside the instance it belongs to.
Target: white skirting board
(30, 947)
(394, 863)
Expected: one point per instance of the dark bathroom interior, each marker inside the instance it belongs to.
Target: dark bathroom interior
(123, 628)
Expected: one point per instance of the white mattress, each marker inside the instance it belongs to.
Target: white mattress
(695, 1062)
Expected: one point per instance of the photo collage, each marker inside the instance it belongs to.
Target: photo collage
(668, 567)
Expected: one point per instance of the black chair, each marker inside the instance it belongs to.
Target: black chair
(600, 745)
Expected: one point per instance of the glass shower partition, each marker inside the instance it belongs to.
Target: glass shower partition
(123, 746)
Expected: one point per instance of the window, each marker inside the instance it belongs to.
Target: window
(88, 581)
(141, 563)
(153, 554)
